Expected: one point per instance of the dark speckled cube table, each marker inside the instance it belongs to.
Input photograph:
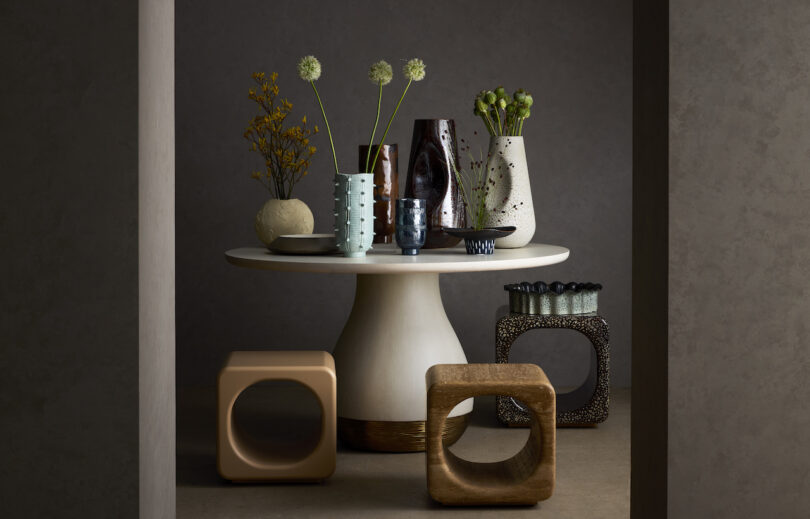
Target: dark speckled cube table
(595, 328)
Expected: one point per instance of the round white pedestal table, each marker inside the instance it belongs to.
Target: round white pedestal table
(396, 331)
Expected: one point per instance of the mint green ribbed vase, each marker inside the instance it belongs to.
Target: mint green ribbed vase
(354, 213)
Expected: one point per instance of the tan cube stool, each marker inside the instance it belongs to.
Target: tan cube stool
(524, 479)
(238, 461)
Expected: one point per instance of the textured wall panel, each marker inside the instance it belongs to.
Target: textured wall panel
(69, 242)
(739, 270)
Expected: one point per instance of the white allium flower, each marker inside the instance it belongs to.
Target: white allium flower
(309, 68)
(414, 69)
(380, 72)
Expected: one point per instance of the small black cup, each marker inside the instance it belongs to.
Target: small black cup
(411, 225)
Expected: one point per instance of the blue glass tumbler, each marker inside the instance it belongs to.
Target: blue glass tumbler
(411, 224)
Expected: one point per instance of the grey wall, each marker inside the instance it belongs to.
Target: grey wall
(574, 56)
(156, 245)
(87, 284)
(69, 282)
(739, 273)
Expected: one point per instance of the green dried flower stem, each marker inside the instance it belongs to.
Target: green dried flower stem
(474, 190)
(414, 70)
(482, 111)
(326, 123)
(391, 120)
(309, 69)
(379, 73)
(489, 104)
(373, 131)
(488, 122)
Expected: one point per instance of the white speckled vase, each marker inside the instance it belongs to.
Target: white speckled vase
(511, 193)
(354, 213)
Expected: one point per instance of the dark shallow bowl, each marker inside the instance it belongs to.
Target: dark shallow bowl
(488, 233)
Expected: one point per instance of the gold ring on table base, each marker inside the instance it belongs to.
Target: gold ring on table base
(395, 436)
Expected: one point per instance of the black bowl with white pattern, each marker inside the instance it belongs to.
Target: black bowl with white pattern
(481, 241)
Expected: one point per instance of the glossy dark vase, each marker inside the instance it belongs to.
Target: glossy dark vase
(386, 189)
(431, 176)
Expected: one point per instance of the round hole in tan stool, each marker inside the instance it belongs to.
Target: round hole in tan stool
(237, 460)
(524, 479)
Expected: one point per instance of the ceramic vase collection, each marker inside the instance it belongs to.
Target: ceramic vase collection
(366, 204)
(411, 227)
(277, 217)
(431, 177)
(510, 192)
(386, 188)
(354, 213)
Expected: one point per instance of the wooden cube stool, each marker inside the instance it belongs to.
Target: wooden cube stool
(524, 479)
(238, 461)
(581, 407)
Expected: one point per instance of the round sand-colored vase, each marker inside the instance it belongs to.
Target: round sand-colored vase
(277, 217)
(510, 192)
(386, 188)
(354, 213)
(431, 177)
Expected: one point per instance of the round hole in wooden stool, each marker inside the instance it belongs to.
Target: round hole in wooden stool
(485, 440)
(507, 468)
(276, 421)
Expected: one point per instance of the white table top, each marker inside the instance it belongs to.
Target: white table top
(388, 259)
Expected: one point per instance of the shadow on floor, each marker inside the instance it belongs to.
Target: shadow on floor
(196, 430)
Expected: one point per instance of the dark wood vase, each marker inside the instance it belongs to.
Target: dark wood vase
(431, 176)
(386, 189)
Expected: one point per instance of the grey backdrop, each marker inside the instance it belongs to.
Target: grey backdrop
(576, 59)
(87, 379)
(739, 274)
(69, 278)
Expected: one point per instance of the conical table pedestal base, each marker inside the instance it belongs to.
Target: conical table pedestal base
(397, 330)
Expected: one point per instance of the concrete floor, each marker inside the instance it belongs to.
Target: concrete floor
(593, 470)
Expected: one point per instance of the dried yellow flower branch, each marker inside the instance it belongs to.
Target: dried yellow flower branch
(286, 150)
